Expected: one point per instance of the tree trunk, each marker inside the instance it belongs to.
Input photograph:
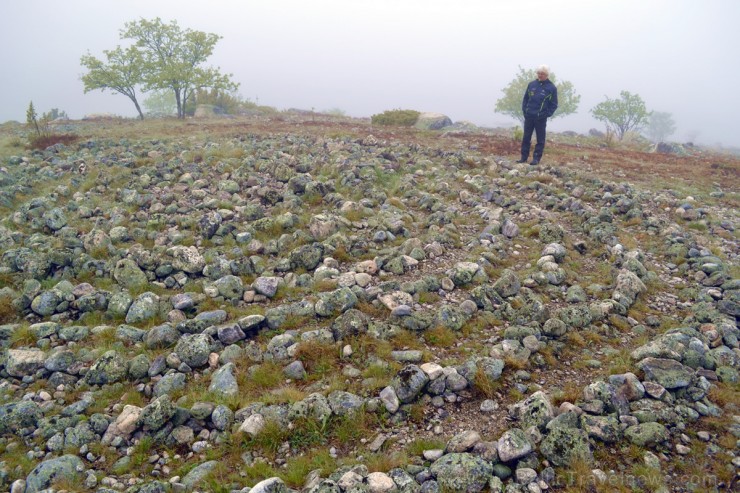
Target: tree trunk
(136, 103)
(180, 109)
(141, 115)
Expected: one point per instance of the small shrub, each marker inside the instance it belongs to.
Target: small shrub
(485, 385)
(419, 445)
(319, 359)
(575, 339)
(428, 297)
(440, 337)
(297, 468)
(48, 140)
(517, 134)
(8, 313)
(571, 392)
(262, 377)
(397, 118)
(269, 440)
(382, 461)
(349, 429)
(22, 336)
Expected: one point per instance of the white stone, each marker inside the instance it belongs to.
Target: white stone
(433, 370)
(363, 280)
(390, 399)
(348, 480)
(253, 424)
(367, 267)
(379, 482)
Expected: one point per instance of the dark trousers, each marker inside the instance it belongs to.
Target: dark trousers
(537, 126)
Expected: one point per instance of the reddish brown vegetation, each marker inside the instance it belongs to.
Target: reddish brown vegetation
(44, 141)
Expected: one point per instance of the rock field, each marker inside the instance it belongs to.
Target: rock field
(280, 305)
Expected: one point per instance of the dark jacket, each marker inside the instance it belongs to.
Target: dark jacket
(540, 100)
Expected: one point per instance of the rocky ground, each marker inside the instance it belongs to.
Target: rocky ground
(298, 302)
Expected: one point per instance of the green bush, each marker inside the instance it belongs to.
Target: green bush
(399, 118)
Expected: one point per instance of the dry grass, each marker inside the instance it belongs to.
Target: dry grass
(440, 337)
(570, 392)
(318, 358)
(483, 384)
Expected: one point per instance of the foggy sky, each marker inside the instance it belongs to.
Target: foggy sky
(368, 56)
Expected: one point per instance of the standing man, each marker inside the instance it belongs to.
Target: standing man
(539, 103)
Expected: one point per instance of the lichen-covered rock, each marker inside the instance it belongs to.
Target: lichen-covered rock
(554, 327)
(344, 403)
(169, 383)
(157, 413)
(307, 256)
(193, 349)
(451, 317)
(604, 428)
(536, 410)
(462, 472)
(223, 381)
(55, 219)
(230, 333)
(295, 370)
(577, 316)
(67, 468)
(564, 445)
(508, 284)
(230, 287)
(270, 485)
(222, 417)
(322, 226)
(161, 336)
(144, 307)
(119, 303)
(432, 121)
(128, 274)
(667, 372)
(335, 302)
(628, 287)
(23, 362)
(18, 416)
(513, 444)
(350, 323)
(409, 383)
(45, 304)
(267, 285)
(647, 434)
(462, 442)
(198, 474)
(187, 259)
(109, 368)
(60, 360)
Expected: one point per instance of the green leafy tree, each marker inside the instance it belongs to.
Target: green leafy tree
(511, 102)
(623, 114)
(660, 126)
(228, 102)
(121, 73)
(31, 118)
(56, 113)
(160, 103)
(173, 58)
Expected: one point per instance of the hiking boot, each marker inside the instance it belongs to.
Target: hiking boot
(522, 160)
(535, 162)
